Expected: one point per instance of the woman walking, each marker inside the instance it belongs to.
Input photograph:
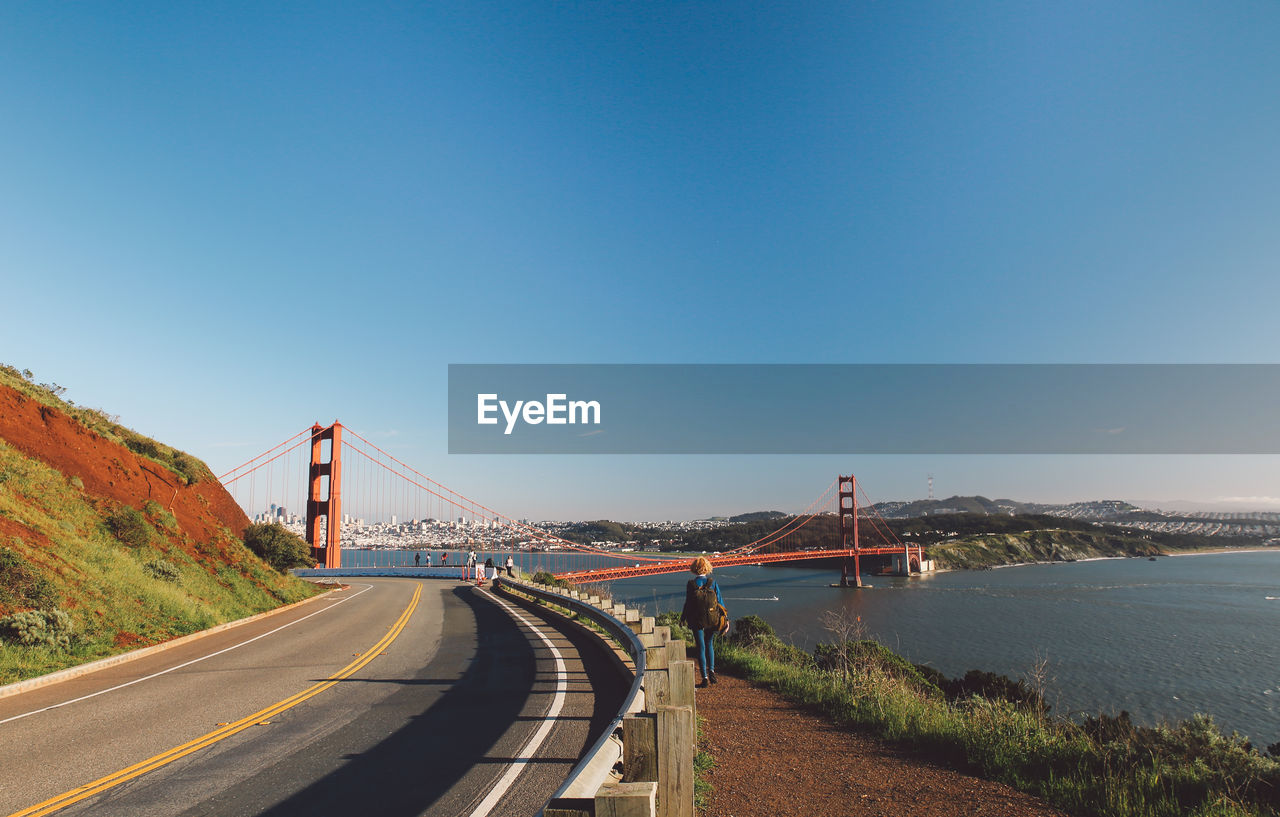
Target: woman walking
(704, 613)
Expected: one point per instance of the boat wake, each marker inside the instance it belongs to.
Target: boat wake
(744, 598)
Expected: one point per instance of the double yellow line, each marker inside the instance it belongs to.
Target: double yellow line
(150, 764)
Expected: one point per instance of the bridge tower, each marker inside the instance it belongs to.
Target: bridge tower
(849, 531)
(326, 550)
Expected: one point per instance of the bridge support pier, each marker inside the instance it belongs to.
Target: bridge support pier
(851, 578)
(904, 563)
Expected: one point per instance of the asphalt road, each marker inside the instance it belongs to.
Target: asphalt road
(379, 699)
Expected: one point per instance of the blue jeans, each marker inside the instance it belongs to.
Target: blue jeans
(704, 642)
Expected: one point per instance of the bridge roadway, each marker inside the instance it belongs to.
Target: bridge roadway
(679, 565)
(433, 724)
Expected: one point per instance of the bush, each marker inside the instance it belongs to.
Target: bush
(187, 466)
(159, 515)
(754, 633)
(130, 527)
(546, 578)
(872, 655)
(163, 569)
(994, 687)
(38, 628)
(671, 619)
(21, 585)
(278, 546)
(144, 446)
(751, 628)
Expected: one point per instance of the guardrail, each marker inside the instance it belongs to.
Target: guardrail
(642, 765)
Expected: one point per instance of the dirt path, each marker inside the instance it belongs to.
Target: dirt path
(772, 758)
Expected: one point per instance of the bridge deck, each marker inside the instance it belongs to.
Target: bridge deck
(609, 574)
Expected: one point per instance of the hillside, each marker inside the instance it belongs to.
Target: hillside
(132, 541)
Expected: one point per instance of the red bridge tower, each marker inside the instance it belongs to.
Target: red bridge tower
(849, 531)
(328, 550)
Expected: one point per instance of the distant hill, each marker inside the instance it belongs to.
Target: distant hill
(122, 538)
(955, 504)
(1262, 525)
(756, 516)
(1098, 509)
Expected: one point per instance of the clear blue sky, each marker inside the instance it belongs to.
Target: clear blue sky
(225, 221)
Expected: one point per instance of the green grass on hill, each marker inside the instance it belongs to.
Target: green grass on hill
(117, 595)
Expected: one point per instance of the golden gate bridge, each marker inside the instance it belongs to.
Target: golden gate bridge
(331, 468)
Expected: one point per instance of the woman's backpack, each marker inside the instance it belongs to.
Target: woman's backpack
(706, 606)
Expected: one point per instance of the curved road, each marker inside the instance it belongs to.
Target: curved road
(399, 697)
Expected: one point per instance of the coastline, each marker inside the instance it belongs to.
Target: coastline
(1210, 551)
(1199, 551)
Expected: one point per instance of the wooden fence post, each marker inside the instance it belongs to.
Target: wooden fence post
(676, 737)
(680, 684)
(640, 748)
(626, 800)
(677, 651)
(656, 658)
(657, 689)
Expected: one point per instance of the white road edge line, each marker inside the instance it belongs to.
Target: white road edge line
(535, 741)
(180, 666)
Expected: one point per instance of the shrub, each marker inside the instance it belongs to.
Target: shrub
(278, 546)
(671, 619)
(754, 633)
(871, 655)
(995, 687)
(157, 513)
(130, 527)
(188, 467)
(21, 585)
(163, 569)
(546, 578)
(141, 445)
(38, 628)
(750, 628)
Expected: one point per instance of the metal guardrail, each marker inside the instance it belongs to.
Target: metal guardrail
(594, 766)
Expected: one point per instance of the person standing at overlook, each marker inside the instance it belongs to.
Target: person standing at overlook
(705, 614)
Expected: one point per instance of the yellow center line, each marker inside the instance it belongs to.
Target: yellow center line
(102, 784)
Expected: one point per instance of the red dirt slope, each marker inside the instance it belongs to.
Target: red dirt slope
(112, 471)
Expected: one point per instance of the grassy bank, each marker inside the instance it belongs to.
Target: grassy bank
(1104, 767)
(119, 577)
